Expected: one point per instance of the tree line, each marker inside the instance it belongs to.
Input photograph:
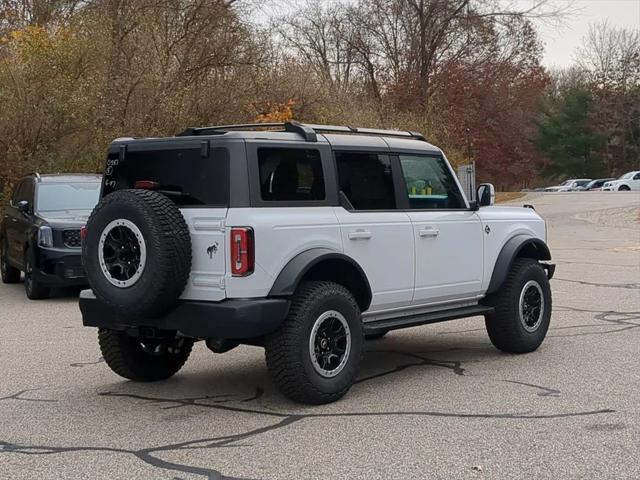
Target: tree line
(74, 74)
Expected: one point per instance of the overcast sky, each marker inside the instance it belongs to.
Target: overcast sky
(561, 41)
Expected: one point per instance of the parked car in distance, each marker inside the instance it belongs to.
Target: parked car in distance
(40, 231)
(628, 181)
(568, 185)
(593, 185)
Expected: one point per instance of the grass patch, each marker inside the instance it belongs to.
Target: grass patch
(502, 197)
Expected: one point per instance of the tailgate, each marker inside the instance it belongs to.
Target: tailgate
(209, 253)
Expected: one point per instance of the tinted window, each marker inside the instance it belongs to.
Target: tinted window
(16, 193)
(27, 191)
(366, 180)
(24, 192)
(290, 174)
(183, 173)
(67, 196)
(430, 184)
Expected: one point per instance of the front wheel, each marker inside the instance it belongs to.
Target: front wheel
(522, 313)
(143, 359)
(624, 188)
(314, 356)
(32, 287)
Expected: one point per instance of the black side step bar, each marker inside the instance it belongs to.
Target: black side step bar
(378, 326)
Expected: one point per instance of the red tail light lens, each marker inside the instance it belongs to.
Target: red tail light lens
(83, 232)
(146, 184)
(242, 251)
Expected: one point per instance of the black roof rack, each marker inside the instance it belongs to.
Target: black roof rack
(308, 131)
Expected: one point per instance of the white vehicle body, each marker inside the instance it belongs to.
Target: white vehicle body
(628, 181)
(405, 267)
(311, 239)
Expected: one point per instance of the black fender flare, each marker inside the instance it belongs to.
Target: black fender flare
(510, 251)
(294, 271)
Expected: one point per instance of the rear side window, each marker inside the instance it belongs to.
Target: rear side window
(183, 174)
(290, 174)
(366, 180)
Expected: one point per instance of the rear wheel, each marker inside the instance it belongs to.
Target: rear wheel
(522, 309)
(143, 359)
(9, 274)
(314, 356)
(32, 287)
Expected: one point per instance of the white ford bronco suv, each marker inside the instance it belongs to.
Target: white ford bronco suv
(303, 239)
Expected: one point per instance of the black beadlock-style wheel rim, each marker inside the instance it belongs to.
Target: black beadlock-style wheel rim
(122, 253)
(330, 344)
(531, 306)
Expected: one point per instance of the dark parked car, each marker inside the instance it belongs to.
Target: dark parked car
(40, 232)
(593, 185)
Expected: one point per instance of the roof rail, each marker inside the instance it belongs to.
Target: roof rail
(35, 174)
(308, 131)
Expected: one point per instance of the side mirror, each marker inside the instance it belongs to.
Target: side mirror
(486, 195)
(23, 206)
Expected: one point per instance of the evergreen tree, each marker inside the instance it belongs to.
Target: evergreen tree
(568, 139)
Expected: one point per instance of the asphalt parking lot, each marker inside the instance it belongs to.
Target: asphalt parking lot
(431, 402)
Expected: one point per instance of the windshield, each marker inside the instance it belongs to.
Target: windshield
(566, 182)
(626, 176)
(54, 197)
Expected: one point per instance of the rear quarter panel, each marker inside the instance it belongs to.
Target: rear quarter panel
(280, 234)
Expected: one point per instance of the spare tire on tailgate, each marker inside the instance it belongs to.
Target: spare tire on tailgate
(137, 252)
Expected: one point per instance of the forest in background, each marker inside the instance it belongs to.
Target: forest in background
(74, 74)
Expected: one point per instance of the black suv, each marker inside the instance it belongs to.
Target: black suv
(40, 233)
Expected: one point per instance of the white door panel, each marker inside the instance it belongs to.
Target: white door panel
(382, 243)
(449, 255)
(208, 253)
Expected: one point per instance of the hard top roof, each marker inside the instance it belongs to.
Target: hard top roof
(353, 138)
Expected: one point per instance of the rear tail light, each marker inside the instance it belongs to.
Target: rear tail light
(83, 232)
(242, 251)
(146, 184)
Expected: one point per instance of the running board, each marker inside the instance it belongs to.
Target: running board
(378, 326)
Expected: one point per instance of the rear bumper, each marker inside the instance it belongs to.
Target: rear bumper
(229, 319)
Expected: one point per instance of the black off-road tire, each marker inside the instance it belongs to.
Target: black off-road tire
(376, 336)
(287, 351)
(127, 357)
(168, 252)
(32, 287)
(9, 273)
(505, 326)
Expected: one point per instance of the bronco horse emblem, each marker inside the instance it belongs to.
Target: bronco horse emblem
(212, 250)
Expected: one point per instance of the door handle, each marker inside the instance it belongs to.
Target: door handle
(360, 235)
(429, 232)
